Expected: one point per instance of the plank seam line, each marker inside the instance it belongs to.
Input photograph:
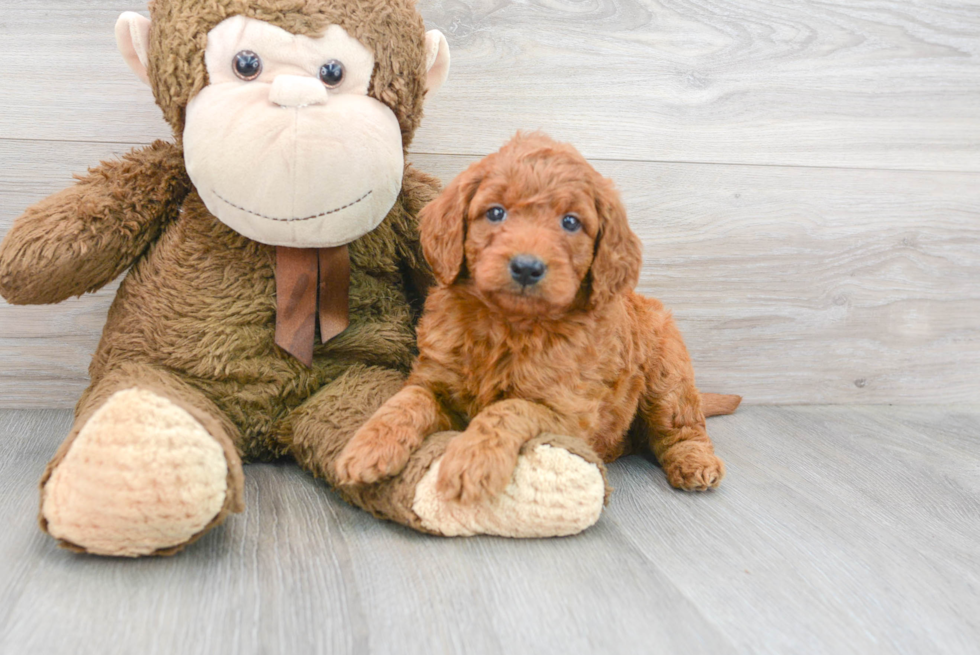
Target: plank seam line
(722, 163)
(476, 156)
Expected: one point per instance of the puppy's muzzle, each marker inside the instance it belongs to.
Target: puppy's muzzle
(527, 270)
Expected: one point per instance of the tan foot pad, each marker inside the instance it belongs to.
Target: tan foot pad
(553, 493)
(141, 475)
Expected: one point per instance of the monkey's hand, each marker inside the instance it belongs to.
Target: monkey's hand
(82, 238)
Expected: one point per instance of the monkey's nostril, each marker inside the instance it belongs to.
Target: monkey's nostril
(527, 269)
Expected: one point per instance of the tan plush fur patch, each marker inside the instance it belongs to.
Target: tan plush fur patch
(553, 493)
(142, 475)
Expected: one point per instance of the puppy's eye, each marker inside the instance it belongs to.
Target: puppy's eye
(571, 223)
(247, 65)
(332, 73)
(496, 214)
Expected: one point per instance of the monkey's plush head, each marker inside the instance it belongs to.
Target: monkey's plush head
(294, 114)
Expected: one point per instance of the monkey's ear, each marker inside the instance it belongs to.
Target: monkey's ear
(133, 39)
(442, 225)
(436, 61)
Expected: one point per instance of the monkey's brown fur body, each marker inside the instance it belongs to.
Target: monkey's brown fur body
(188, 355)
(194, 318)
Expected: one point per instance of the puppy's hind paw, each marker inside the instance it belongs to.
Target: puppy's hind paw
(694, 471)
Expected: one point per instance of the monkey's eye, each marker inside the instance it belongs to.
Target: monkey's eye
(496, 214)
(332, 73)
(247, 65)
(571, 223)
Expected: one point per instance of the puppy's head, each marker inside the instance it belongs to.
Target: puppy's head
(534, 228)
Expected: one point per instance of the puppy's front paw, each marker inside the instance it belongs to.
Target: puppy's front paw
(375, 452)
(472, 470)
(694, 468)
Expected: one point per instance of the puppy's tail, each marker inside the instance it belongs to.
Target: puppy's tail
(714, 404)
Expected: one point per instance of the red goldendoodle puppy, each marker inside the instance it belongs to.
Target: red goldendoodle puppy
(534, 327)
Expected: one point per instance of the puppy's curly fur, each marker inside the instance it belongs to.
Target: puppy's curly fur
(566, 346)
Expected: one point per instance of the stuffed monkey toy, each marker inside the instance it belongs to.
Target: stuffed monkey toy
(274, 280)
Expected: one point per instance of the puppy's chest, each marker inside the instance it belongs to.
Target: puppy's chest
(536, 370)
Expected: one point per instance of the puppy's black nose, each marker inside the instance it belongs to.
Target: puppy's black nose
(527, 269)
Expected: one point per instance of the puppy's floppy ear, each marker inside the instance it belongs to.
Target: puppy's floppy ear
(442, 225)
(618, 251)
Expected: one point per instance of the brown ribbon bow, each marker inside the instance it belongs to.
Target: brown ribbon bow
(310, 282)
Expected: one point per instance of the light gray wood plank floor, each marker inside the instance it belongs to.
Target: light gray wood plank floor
(838, 530)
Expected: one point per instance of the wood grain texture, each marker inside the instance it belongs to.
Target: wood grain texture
(837, 530)
(867, 514)
(885, 84)
(758, 147)
(790, 285)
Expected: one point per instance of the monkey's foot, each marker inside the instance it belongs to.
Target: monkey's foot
(553, 493)
(143, 476)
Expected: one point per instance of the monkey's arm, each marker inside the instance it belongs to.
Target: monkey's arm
(418, 189)
(82, 238)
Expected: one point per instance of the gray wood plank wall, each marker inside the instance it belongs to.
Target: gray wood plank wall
(805, 176)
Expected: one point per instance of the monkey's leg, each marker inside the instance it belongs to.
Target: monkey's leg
(149, 466)
(558, 486)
